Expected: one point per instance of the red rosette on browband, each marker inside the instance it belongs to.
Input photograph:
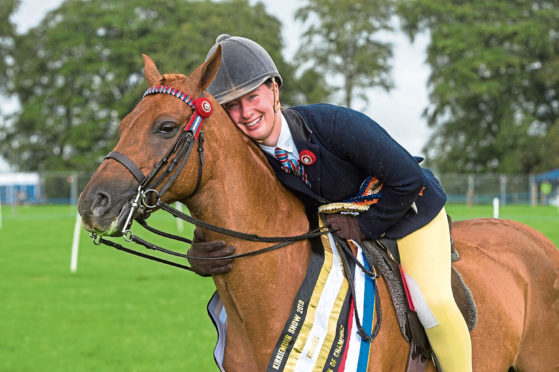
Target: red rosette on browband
(203, 107)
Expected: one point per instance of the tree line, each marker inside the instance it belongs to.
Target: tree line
(493, 86)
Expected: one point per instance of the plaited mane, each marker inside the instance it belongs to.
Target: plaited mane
(170, 78)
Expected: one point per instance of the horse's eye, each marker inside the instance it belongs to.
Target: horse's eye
(167, 127)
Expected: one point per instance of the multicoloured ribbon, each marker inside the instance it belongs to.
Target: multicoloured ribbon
(369, 194)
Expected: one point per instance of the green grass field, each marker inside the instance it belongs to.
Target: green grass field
(119, 312)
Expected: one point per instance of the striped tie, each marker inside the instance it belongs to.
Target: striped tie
(291, 166)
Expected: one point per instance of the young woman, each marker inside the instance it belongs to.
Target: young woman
(326, 154)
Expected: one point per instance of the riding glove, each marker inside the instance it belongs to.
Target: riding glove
(345, 226)
(213, 249)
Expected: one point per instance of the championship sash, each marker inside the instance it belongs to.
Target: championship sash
(320, 333)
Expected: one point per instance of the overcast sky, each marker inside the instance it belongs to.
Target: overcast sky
(398, 111)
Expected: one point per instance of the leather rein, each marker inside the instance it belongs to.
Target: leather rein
(148, 198)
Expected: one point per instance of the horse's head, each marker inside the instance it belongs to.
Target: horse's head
(151, 137)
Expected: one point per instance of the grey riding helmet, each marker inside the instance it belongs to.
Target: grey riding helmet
(245, 65)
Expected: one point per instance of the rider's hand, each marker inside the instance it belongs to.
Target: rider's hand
(345, 226)
(213, 249)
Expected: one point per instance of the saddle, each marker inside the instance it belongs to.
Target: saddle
(383, 255)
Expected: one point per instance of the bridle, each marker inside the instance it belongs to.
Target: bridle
(182, 147)
(148, 198)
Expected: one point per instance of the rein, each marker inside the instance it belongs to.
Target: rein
(148, 198)
(143, 203)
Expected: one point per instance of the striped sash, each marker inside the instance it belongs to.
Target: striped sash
(319, 334)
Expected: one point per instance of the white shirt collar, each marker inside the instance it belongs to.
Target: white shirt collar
(285, 140)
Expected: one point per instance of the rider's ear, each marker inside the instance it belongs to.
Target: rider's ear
(150, 71)
(209, 69)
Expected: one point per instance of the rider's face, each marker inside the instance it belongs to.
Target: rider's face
(254, 114)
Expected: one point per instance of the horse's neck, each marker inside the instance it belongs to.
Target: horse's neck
(241, 190)
(242, 193)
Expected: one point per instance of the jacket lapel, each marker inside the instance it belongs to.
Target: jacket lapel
(302, 138)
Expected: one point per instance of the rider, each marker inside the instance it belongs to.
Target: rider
(333, 153)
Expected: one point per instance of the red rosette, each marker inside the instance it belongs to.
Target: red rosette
(307, 157)
(203, 107)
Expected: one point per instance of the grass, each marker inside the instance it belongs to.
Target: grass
(119, 312)
(545, 219)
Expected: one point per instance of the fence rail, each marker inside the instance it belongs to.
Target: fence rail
(42, 188)
(483, 188)
(64, 188)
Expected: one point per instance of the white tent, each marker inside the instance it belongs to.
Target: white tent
(19, 187)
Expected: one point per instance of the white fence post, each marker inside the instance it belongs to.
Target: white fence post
(470, 192)
(533, 190)
(180, 225)
(75, 244)
(503, 189)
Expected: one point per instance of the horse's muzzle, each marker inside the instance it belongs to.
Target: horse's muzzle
(103, 215)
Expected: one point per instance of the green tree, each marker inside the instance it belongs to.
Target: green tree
(339, 41)
(494, 85)
(548, 150)
(310, 87)
(80, 70)
(7, 35)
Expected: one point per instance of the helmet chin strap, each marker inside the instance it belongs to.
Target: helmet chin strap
(276, 100)
(277, 105)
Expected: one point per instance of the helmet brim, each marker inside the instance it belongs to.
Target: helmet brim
(237, 92)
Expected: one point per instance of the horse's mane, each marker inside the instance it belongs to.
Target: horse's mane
(171, 78)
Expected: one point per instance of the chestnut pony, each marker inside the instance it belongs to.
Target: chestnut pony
(511, 269)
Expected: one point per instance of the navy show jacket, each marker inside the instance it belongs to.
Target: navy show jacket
(349, 147)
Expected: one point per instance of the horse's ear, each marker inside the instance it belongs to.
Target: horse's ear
(210, 68)
(150, 71)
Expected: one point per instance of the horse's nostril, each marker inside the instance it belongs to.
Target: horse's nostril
(101, 203)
